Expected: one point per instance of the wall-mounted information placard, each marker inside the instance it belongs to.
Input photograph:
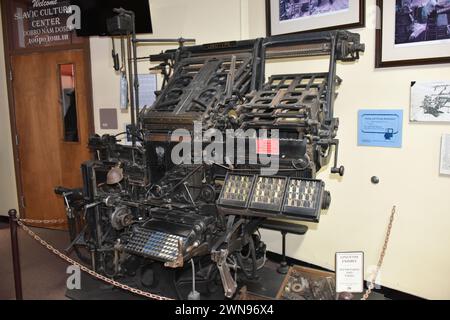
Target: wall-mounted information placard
(380, 128)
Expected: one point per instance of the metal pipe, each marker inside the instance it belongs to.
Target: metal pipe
(15, 254)
(132, 101)
(166, 40)
(136, 78)
(283, 268)
(193, 295)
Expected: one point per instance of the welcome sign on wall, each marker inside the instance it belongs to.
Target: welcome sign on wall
(43, 23)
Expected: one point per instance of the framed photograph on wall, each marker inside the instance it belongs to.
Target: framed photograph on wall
(412, 32)
(295, 16)
(430, 101)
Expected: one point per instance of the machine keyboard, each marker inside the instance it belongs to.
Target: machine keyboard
(154, 244)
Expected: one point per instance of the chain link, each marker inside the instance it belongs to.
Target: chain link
(55, 221)
(45, 244)
(382, 255)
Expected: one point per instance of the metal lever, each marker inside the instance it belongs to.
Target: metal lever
(115, 56)
(229, 284)
(337, 170)
(92, 205)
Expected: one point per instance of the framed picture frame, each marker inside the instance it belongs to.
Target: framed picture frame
(430, 101)
(412, 33)
(298, 16)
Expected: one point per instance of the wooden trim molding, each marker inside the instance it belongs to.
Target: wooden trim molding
(12, 116)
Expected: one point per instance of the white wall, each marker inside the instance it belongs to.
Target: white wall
(8, 194)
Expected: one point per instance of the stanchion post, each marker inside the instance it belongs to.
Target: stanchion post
(15, 253)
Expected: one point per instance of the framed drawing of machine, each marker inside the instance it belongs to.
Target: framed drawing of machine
(294, 16)
(430, 101)
(412, 32)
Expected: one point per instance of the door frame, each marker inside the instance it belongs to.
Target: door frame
(9, 52)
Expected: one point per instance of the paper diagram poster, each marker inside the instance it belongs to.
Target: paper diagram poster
(430, 101)
(380, 128)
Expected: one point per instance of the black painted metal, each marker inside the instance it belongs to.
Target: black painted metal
(283, 268)
(15, 254)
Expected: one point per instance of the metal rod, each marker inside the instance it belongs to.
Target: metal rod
(283, 268)
(132, 71)
(132, 100)
(136, 78)
(331, 81)
(193, 275)
(15, 254)
(167, 40)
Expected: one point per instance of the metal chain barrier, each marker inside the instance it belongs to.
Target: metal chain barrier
(55, 221)
(114, 283)
(382, 255)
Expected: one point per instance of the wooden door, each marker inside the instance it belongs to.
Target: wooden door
(51, 111)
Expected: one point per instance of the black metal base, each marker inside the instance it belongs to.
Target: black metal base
(267, 285)
(283, 268)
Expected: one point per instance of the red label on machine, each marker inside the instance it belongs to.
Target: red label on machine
(268, 147)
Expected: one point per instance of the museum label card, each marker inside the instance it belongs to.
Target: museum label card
(350, 272)
(380, 128)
